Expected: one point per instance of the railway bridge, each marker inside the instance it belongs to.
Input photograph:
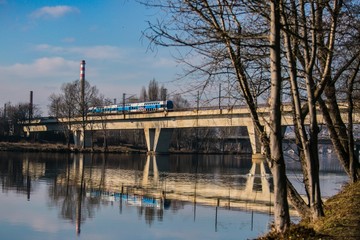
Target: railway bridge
(158, 126)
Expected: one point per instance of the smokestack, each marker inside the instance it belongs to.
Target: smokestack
(5, 111)
(82, 70)
(31, 105)
(82, 82)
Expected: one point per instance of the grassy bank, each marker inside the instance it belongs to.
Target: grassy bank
(341, 221)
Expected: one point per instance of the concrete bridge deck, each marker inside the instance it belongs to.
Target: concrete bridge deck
(158, 126)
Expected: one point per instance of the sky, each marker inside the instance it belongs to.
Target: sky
(43, 42)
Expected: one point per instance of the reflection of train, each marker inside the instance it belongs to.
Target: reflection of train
(131, 200)
(154, 106)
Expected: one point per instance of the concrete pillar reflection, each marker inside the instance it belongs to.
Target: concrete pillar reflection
(145, 180)
(146, 171)
(258, 171)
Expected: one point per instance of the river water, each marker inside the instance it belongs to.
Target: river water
(113, 196)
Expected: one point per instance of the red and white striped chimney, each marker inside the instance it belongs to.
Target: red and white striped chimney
(82, 84)
(82, 70)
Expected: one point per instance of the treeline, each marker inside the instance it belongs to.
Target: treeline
(11, 118)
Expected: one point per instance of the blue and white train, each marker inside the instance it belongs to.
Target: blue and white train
(143, 107)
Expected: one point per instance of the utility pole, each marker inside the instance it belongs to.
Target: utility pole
(124, 94)
(220, 96)
(198, 101)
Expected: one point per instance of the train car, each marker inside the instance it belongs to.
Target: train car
(143, 107)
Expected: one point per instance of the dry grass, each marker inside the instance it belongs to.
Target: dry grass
(342, 214)
(341, 221)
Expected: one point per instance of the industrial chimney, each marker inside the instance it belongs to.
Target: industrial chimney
(82, 82)
(31, 106)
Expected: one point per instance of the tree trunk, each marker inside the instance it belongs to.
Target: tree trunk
(353, 161)
(277, 166)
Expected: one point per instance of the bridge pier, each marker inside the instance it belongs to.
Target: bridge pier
(255, 142)
(158, 140)
(256, 145)
(80, 137)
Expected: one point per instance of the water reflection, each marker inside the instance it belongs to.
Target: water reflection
(90, 180)
(77, 186)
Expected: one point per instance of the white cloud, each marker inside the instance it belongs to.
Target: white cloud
(53, 12)
(44, 67)
(101, 52)
(163, 62)
(43, 76)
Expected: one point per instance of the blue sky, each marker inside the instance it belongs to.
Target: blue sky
(43, 41)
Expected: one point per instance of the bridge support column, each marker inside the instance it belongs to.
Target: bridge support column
(255, 142)
(158, 139)
(80, 137)
(256, 146)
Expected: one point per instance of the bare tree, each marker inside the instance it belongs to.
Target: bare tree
(68, 104)
(319, 44)
(143, 95)
(16, 116)
(153, 90)
(277, 163)
(180, 102)
(220, 32)
(338, 64)
(3, 122)
(163, 93)
(323, 55)
(298, 49)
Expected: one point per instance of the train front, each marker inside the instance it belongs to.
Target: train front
(169, 105)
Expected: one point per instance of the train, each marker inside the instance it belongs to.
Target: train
(142, 107)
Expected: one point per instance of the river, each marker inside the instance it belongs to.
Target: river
(98, 196)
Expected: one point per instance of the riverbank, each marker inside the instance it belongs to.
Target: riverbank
(52, 147)
(341, 221)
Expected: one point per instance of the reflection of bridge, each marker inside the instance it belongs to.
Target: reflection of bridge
(246, 192)
(158, 127)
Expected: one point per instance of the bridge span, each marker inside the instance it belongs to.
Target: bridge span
(158, 126)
